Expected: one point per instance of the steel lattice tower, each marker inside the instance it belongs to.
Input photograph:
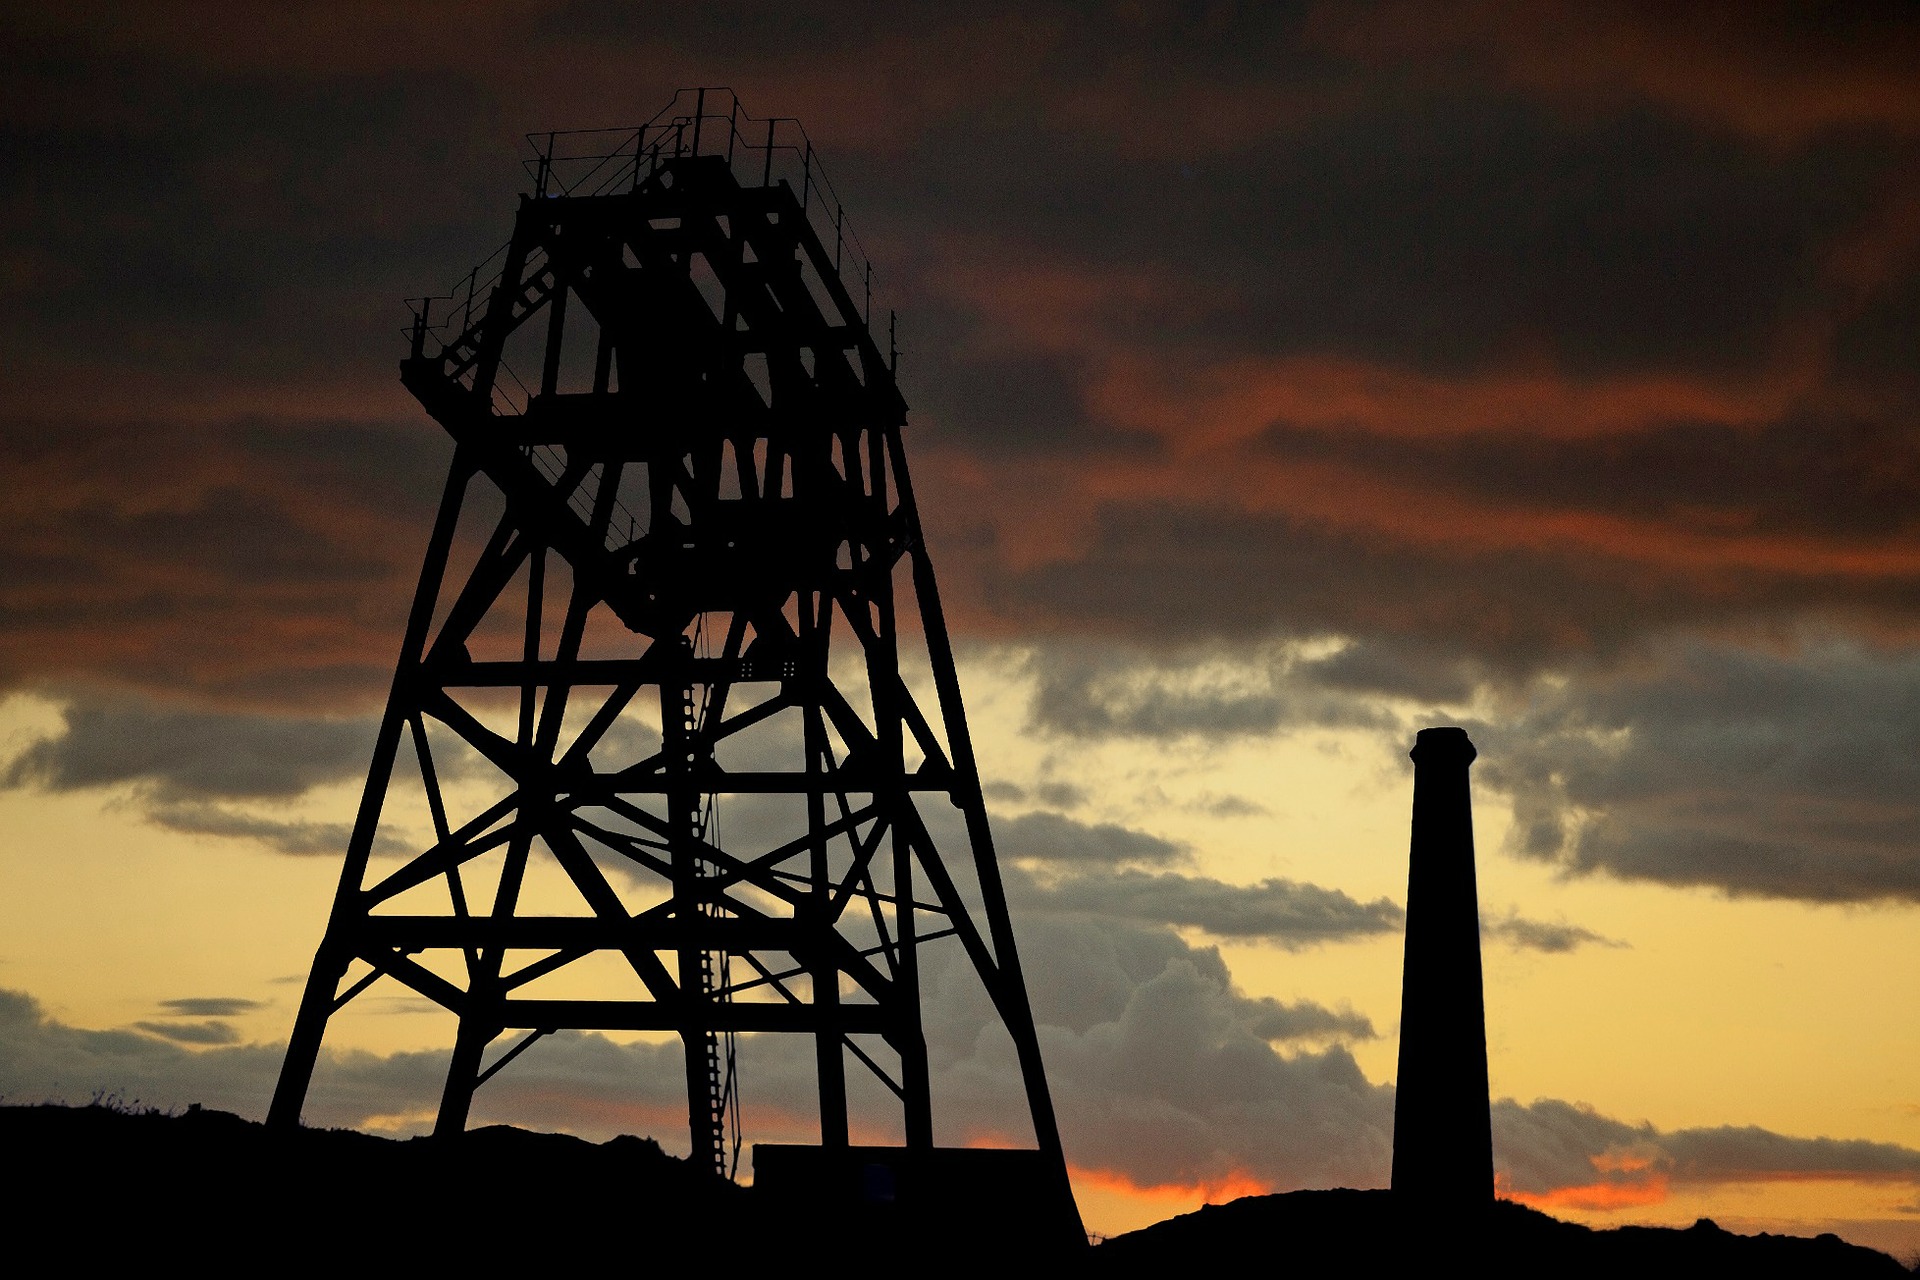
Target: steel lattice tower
(690, 601)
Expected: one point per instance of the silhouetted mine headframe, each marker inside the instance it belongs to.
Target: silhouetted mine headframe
(674, 645)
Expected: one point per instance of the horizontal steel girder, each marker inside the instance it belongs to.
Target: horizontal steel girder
(650, 1015)
(562, 933)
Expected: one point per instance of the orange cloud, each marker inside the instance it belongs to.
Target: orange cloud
(1038, 301)
(1194, 409)
(1595, 1195)
(1872, 1177)
(1631, 1177)
(1231, 1185)
(1637, 1176)
(553, 69)
(197, 560)
(1213, 417)
(1628, 1160)
(1048, 513)
(1752, 69)
(993, 1140)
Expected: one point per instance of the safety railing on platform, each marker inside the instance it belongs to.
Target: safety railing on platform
(597, 162)
(707, 122)
(593, 162)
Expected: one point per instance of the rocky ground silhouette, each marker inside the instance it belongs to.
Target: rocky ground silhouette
(127, 1185)
(1364, 1233)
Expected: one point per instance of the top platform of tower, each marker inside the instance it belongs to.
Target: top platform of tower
(737, 207)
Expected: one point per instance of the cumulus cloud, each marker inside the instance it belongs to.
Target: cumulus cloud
(1055, 838)
(1274, 1020)
(203, 772)
(1227, 806)
(42, 1058)
(1778, 769)
(295, 836)
(1053, 864)
(1744, 70)
(210, 1006)
(257, 560)
(189, 753)
(1252, 404)
(1060, 795)
(1288, 913)
(1078, 698)
(1085, 969)
(1147, 1039)
(1516, 930)
(1761, 772)
(1549, 1143)
(1162, 1070)
(209, 1031)
(1395, 667)
(1184, 1088)
(1209, 692)
(1549, 1146)
(1730, 1153)
(1253, 687)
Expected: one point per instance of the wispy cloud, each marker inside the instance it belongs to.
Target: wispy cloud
(1554, 937)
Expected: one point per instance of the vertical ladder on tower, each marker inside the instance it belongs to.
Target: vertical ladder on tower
(718, 1048)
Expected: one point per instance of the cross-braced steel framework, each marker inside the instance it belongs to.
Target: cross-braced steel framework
(693, 605)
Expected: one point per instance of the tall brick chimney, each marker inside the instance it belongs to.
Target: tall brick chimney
(1442, 1127)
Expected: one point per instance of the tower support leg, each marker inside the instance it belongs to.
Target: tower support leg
(330, 962)
(303, 1048)
(463, 1075)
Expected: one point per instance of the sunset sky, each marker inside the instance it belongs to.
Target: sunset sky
(1284, 379)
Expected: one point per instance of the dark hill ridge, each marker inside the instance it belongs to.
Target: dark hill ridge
(1361, 1233)
(137, 1186)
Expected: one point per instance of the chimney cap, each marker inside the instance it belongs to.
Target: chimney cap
(1446, 745)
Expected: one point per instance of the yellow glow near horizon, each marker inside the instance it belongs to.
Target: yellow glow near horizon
(1801, 1019)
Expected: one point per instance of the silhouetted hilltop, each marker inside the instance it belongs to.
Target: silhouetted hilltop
(126, 1184)
(130, 1185)
(137, 1186)
(1361, 1233)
